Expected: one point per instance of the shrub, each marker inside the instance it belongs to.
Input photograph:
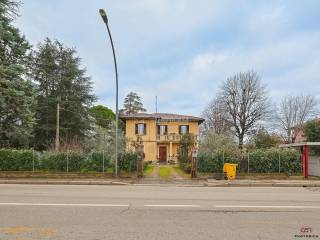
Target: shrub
(267, 161)
(145, 165)
(94, 161)
(185, 145)
(213, 161)
(22, 160)
(17, 160)
(127, 161)
(53, 161)
(260, 161)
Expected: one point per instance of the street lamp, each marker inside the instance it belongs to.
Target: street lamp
(105, 19)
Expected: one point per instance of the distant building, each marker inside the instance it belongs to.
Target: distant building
(160, 133)
(300, 133)
(300, 136)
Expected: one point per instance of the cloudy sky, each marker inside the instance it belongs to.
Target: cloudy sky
(182, 50)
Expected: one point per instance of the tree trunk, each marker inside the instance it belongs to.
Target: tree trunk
(243, 163)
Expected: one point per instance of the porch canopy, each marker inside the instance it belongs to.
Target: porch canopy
(304, 148)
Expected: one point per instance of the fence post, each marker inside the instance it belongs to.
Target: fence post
(67, 161)
(33, 160)
(279, 161)
(248, 162)
(103, 161)
(222, 160)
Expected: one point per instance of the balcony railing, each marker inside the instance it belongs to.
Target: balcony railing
(171, 138)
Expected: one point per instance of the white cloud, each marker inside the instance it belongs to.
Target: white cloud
(288, 66)
(182, 50)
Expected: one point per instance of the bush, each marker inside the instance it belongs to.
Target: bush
(17, 160)
(145, 165)
(22, 160)
(267, 161)
(213, 161)
(260, 161)
(52, 161)
(127, 161)
(94, 162)
(184, 151)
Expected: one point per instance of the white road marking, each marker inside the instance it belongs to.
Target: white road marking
(172, 206)
(65, 204)
(264, 206)
(158, 205)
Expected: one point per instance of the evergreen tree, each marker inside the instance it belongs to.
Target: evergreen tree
(263, 139)
(59, 75)
(16, 93)
(103, 115)
(312, 130)
(132, 104)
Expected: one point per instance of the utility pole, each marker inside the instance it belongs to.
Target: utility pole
(57, 145)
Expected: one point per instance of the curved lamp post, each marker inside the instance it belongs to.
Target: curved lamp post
(105, 19)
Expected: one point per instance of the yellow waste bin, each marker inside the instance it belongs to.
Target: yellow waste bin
(230, 170)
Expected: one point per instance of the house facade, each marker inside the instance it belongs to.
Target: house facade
(160, 133)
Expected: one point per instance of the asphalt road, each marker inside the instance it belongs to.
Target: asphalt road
(149, 212)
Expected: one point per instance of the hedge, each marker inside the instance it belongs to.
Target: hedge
(260, 161)
(23, 160)
(16, 160)
(213, 162)
(127, 162)
(267, 161)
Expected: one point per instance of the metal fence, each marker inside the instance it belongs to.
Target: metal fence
(255, 161)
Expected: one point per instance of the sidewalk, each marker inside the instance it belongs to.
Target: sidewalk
(263, 183)
(171, 182)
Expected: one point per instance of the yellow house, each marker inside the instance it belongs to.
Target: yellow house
(160, 133)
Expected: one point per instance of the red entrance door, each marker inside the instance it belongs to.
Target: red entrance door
(162, 153)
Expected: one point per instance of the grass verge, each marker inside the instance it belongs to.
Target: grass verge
(164, 172)
(148, 170)
(181, 173)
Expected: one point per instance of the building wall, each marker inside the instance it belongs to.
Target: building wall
(175, 151)
(314, 165)
(300, 137)
(150, 126)
(149, 140)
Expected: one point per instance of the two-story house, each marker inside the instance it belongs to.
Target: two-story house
(160, 133)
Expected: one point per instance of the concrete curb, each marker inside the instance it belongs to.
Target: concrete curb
(54, 182)
(146, 182)
(265, 184)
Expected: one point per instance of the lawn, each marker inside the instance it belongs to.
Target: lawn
(148, 170)
(181, 173)
(164, 172)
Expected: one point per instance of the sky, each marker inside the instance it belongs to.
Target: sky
(182, 50)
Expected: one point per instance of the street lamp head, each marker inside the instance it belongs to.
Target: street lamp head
(103, 15)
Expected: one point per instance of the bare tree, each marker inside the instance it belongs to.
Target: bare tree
(293, 112)
(215, 116)
(246, 102)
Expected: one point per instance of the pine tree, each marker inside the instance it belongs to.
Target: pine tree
(59, 75)
(132, 104)
(16, 92)
(103, 116)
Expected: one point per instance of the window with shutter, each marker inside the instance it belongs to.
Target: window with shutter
(141, 129)
(162, 129)
(183, 129)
